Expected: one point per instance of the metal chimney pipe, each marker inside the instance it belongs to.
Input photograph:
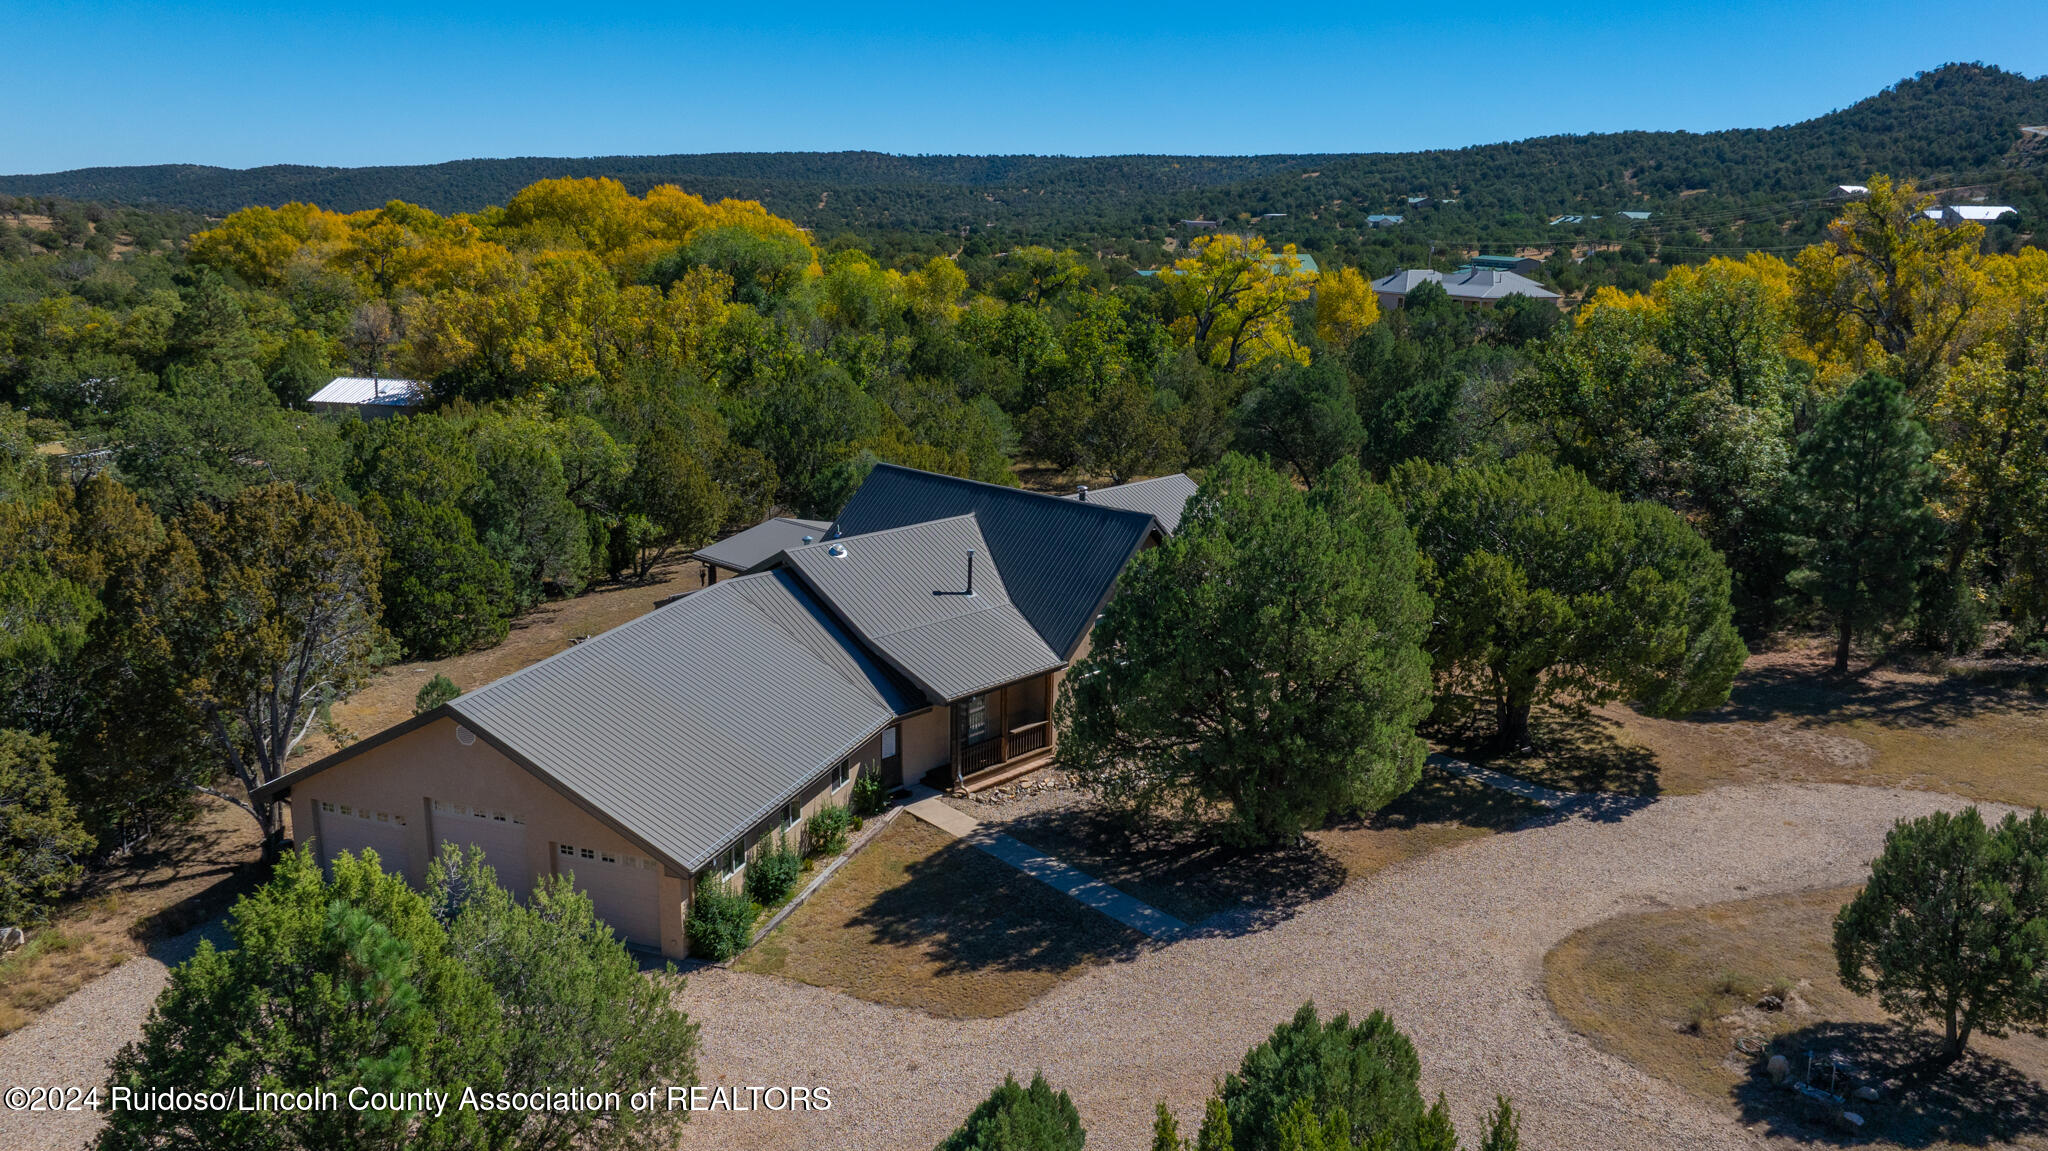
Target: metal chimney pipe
(1084, 493)
(970, 571)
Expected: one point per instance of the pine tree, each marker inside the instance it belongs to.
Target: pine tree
(1215, 1134)
(1863, 480)
(1165, 1132)
(1503, 1127)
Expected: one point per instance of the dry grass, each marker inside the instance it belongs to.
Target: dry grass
(167, 888)
(1673, 992)
(552, 627)
(1789, 720)
(920, 919)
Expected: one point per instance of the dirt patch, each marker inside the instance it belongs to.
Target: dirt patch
(920, 919)
(552, 627)
(190, 876)
(1978, 733)
(1677, 992)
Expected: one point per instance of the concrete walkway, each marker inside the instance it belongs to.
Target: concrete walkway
(1125, 909)
(1534, 792)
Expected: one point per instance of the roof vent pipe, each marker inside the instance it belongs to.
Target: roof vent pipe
(1084, 493)
(836, 551)
(807, 539)
(970, 571)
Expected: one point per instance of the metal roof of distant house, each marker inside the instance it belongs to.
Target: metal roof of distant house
(759, 545)
(689, 722)
(913, 595)
(1573, 220)
(1164, 498)
(363, 391)
(1973, 213)
(1638, 216)
(1379, 219)
(1466, 284)
(1059, 558)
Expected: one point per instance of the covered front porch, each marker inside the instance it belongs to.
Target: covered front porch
(998, 734)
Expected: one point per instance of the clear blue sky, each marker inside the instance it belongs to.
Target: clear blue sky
(236, 84)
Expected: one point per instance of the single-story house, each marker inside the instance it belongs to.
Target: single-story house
(369, 397)
(924, 633)
(1637, 217)
(1520, 265)
(1380, 220)
(1474, 287)
(1954, 214)
(1849, 192)
(1572, 220)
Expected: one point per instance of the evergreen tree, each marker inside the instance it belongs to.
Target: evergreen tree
(1014, 1118)
(1263, 584)
(444, 593)
(41, 837)
(1863, 480)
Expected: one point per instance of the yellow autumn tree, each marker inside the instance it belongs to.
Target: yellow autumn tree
(259, 244)
(1890, 289)
(1235, 297)
(1345, 307)
(934, 290)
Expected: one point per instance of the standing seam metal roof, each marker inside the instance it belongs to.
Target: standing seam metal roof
(690, 724)
(1164, 498)
(746, 550)
(903, 592)
(1058, 558)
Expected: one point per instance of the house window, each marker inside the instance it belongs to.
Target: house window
(568, 851)
(977, 718)
(735, 858)
(842, 775)
(790, 812)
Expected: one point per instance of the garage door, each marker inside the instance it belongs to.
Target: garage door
(624, 889)
(501, 835)
(344, 827)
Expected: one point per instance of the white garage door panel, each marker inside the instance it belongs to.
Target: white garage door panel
(500, 834)
(624, 889)
(344, 827)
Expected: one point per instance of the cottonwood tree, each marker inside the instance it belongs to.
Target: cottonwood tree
(1266, 659)
(1548, 588)
(266, 611)
(1953, 926)
(1863, 479)
(1236, 298)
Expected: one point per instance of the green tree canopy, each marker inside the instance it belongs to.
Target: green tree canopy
(1265, 658)
(41, 837)
(1014, 1118)
(1548, 588)
(1953, 926)
(1863, 481)
(1303, 417)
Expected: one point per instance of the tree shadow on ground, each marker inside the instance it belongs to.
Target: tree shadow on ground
(1180, 867)
(972, 912)
(1976, 1101)
(1571, 749)
(1801, 687)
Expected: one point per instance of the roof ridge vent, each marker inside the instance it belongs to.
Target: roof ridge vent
(836, 551)
(810, 540)
(1084, 493)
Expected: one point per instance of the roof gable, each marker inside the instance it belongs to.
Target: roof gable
(1058, 558)
(748, 550)
(1164, 498)
(913, 595)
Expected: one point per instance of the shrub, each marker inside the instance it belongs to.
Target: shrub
(828, 829)
(1013, 1118)
(869, 796)
(721, 921)
(434, 693)
(773, 873)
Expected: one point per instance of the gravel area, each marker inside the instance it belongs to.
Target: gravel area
(1450, 946)
(1047, 790)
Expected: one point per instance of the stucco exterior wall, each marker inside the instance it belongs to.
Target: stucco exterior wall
(926, 742)
(404, 778)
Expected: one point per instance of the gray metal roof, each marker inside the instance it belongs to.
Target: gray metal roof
(1470, 283)
(744, 551)
(1059, 558)
(903, 591)
(1164, 498)
(690, 724)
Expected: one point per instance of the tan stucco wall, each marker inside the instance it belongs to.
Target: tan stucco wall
(405, 776)
(924, 742)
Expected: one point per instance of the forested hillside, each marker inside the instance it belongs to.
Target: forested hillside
(1732, 190)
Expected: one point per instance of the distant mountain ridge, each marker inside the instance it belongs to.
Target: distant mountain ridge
(1958, 122)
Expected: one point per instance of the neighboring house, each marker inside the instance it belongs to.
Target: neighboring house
(1382, 221)
(1573, 220)
(1954, 214)
(1520, 265)
(922, 634)
(1638, 217)
(369, 397)
(1849, 192)
(1474, 287)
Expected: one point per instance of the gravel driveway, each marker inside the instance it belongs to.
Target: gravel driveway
(1451, 946)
